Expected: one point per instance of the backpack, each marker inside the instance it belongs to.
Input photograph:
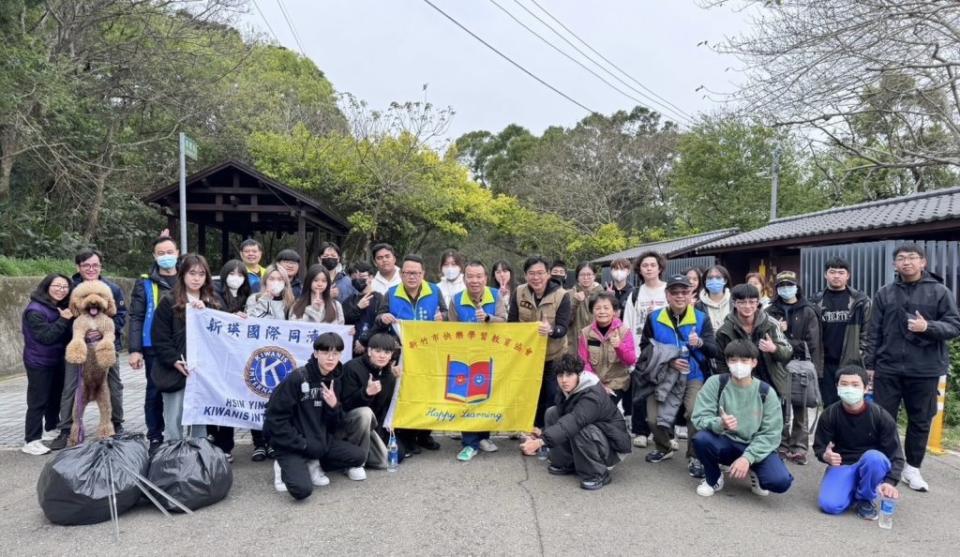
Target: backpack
(725, 378)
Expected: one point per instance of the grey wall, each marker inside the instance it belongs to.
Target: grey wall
(14, 296)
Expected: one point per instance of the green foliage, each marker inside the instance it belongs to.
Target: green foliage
(10, 267)
(951, 410)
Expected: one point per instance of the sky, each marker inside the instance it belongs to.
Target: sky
(387, 50)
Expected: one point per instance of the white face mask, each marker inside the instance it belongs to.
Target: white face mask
(619, 275)
(451, 273)
(276, 288)
(234, 282)
(740, 370)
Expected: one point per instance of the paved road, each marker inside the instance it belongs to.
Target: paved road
(500, 503)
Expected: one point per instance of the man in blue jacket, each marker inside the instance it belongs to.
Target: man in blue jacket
(89, 264)
(414, 299)
(910, 324)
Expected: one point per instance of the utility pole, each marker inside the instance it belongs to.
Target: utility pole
(775, 180)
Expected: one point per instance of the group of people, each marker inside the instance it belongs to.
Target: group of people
(628, 363)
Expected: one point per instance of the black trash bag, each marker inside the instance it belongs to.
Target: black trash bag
(192, 471)
(74, 486)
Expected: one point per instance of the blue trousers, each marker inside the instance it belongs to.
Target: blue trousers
(473, 438)
(714, 450)
(152, 402)
(842, 486)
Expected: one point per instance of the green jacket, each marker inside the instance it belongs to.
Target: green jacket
(775, 364)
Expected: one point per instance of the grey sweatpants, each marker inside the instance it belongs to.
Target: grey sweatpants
(359, 428)
(70, 381)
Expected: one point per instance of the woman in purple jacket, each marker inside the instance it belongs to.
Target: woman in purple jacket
(46, 332)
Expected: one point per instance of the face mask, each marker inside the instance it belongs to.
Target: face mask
(619, 275)
(359, 284)
(234, 282)
(850, 395)
(276, 288)
(167, 262)
(787, 292)
(556, 280)
(715, 285)
(451, 273)
(329, 263)
(740, 370)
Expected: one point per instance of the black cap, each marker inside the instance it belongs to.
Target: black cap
(678, 280)
(288, 255)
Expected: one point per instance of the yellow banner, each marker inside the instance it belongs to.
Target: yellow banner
(469, 376)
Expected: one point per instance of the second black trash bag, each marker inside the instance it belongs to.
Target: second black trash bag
(75, 486)
(192, 471)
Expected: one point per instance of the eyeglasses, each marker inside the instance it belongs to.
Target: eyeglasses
(331, 354)
(536, 273)
(60, 286)
(89, 266)
(905, 258)
(746, 303)
(411, 273)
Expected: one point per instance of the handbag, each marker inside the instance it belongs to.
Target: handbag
(804, 384)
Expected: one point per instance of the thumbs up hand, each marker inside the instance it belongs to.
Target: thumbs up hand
(830, 457)
(918, 324)
(373, 387)
(767, 345)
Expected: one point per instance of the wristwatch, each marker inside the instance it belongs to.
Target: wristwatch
(486, 318)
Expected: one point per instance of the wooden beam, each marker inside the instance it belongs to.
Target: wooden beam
(252, 207)
(301, 234)
(219, 216)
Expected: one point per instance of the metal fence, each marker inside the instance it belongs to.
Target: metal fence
(871, 264)
(677, 266)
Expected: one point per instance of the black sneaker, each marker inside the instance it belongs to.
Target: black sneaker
(657, 456)
(271, 453)
(60, 442)
(117, 428)
(154, 445)
(259, 454)
(595, 483)
(559, 470)
(428, 443)
(695, 469)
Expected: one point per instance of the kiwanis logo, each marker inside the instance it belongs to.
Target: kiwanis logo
(266, 368)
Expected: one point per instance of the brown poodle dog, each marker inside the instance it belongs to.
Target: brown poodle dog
(93, 306)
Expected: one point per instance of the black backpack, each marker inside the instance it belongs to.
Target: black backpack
(725, 378)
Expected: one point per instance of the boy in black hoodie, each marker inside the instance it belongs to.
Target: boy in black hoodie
(302, 416)
(368, 384)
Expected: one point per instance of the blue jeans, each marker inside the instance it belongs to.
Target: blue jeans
(714, 450)
(473, 438)
(842, 486)
(173, 417)
(152, 402)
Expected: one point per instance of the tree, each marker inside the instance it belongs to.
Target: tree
(832, 67)
(722, 177)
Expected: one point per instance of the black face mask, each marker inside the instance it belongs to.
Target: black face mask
(556, 280)
(329, 263)
(359, 284)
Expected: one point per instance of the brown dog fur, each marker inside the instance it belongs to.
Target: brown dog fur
(93, 306)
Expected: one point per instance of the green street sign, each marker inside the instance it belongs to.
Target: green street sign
(190, 148)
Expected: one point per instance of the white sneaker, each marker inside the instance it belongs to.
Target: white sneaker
(317, 477)
(681, 431)
(911, 475)
(277, 480)
(357, 474)
(50, 435)
(640, 441)
(35, 448)
(705, 490)
(755, 485)
(488, 446)
(674, 446)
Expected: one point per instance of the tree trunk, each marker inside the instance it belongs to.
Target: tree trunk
(93, 218)
(8, 145)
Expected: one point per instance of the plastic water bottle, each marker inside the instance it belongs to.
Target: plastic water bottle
(887, 508)
(393, 454)
(543, 452)
(684, 352)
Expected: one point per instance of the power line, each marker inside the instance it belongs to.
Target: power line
(571, 58)
(675, 109)
(293, 30)
(508, 59)
(264, 18)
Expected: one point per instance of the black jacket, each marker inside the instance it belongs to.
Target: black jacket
(588, 404)
(855, 339)
(892, 348)
(302, 422)
(803, 329)
(138, 305)
(356, 373)
(364, 320)
(852, 435)
(169, 334)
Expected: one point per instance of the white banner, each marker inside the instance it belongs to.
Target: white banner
(236, 363)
